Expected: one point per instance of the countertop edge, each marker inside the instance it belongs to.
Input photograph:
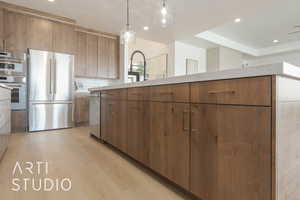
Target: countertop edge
(283, 69)
(5, 87)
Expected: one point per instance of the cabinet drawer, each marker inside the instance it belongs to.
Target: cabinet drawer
(120, 94)
(139, 94)
(170, 93)
(247, 91)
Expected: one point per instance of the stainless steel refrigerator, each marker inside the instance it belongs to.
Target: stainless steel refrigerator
(50, 90)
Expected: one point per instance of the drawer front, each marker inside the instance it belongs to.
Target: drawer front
(170, 93)
(139, 94)
(120, 94)
(247, 91)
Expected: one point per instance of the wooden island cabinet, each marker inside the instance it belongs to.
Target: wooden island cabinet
(219, 139)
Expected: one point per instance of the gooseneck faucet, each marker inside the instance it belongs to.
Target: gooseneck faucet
(131, 64)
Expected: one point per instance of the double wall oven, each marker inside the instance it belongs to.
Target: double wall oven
(13, 75)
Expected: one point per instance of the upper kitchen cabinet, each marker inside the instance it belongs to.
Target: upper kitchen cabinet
(81, 55)
(15, 31)
(64, 38)
(40, 34)
(1, 29)
(92, 56)
(108, 60)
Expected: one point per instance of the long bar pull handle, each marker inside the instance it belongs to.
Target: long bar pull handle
(221, 92)
(184, 120)
(54, 89)
(50, 62)
(193, 130)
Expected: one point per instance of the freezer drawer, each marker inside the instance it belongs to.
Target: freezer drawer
(47, 116)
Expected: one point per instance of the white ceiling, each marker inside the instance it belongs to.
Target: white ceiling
(256, 33)
(188, 17)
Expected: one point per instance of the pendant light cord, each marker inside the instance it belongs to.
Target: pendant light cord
(127, 14)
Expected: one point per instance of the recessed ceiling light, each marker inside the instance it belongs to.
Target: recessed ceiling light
(275, 41)
(51, 0)
(146, 28)
(237, 20)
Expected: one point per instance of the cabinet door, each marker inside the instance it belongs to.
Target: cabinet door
(40, 34)
(108, 58)
(82, 109)
(244, 153)
(231, 152)
(15, 32)
(120, 125)
(81, 55)
(138, 130)
(64, 38)
(204, 151)
(114, 123)
(113, 58)
(1, 29)
(103, 57)
(178, 144)
(92, 56)
(159, 113)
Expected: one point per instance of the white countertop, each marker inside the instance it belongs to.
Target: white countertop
(283, 69)
(4, 86)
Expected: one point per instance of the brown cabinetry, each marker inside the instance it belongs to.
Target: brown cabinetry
(231, 152)
(92, 56)
(40, 33)
(138, 134)
(108, 60)
(64, 38)
(246, 91)
(97, 56)
(81, 110)
(214, 143)
(81, 55)
(15, 32)
(114, 122)
(170, 93)
(18, 121)
(170, 141)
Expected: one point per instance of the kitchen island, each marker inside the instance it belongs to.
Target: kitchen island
(226, 135)
(5, 111)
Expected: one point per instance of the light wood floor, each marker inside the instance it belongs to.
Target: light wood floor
(96, 171)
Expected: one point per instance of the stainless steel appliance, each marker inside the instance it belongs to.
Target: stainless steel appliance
(51, 89)
(13, 74)
(94, 112)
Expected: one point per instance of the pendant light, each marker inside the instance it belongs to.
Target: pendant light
(164, 13)
(127, 35)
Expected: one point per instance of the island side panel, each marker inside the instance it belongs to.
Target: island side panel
(287, 138)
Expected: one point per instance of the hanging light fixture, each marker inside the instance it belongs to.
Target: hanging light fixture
(127, 35)
(164, 10)
(164, 13)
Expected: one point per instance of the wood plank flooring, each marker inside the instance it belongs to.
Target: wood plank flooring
(97, 172)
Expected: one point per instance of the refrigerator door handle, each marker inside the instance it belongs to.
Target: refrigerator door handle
(50, 85)
(54, 78)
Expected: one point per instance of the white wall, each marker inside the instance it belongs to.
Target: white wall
(149, 48)
(290, 57)
(179, 52)
(223, 58)
(230, 59)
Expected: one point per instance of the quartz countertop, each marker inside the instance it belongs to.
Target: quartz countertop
(282, 69)
(5, 87)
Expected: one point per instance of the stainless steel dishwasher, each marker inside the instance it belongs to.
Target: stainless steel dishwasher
(94, 121)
